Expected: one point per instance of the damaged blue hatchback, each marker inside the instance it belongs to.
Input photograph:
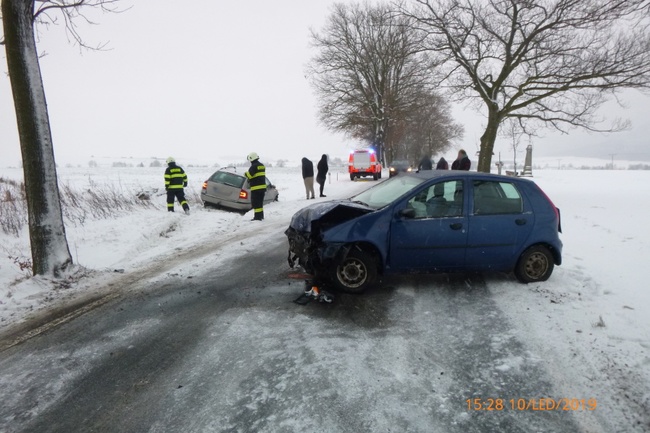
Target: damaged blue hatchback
(433, 221)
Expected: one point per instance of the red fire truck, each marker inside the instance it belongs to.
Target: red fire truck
(364, 163)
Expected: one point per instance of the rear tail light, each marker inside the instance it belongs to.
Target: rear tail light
(555, 209)
(205, 186)
(243, 194)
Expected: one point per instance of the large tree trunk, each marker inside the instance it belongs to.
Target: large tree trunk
(487, 141)
(50, 252)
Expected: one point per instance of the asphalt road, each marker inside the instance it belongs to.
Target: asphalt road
(230, 352)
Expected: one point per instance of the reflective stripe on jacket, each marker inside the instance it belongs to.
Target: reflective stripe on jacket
(256, 176)
(175, 177)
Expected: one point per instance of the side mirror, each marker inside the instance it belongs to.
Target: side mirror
(407, 213)
(272, 186)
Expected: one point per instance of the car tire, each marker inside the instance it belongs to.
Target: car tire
(375, 177)
(352, 177)
(356, 272)
(534, 264)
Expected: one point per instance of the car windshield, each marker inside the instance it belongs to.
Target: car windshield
(386, 192)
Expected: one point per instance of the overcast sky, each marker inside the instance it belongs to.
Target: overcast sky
(218, 81)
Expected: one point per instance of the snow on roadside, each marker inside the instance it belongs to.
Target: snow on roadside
(126, 244)
(590, 322)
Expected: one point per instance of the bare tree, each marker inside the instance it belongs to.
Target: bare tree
(549, 63)
(50, 251)
(431, 130)
(368, 73)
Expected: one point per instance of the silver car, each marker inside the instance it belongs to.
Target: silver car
(229, 189)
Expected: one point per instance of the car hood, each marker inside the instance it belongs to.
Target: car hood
(327, 215)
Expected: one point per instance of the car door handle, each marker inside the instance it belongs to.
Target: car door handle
(520, 221)
(456, 226)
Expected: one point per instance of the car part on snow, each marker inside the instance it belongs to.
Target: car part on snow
(313, 292)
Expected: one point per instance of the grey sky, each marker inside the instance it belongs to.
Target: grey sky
(214, 82)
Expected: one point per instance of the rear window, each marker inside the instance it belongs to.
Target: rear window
(361, 159)
(226, 178)
(492, 198)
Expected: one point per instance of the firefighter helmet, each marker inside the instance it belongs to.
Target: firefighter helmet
(170, 160)
(252, 156)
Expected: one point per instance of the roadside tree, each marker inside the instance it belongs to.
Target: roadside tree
(50, 251)
(430, 130)
(369, 74)
(547, 63)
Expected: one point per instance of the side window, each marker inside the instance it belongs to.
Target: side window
(493, 198)
(444, 199)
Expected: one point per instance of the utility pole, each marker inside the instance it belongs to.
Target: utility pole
(612, 165)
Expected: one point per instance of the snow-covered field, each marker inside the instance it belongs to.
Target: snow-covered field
(590, 321)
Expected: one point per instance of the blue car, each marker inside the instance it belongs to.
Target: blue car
(433, 221)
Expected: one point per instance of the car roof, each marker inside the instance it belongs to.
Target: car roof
(430, 174)
(231, 169)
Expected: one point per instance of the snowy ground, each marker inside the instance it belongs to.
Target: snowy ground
(591, 319)
(135, 240)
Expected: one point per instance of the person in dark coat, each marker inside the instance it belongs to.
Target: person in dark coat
(256, 176)
(442, 164)
(425, 163)
(462, 161)
(175, 182)
(308, 177)
(322, 173)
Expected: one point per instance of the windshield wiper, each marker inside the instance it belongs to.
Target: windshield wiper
(361, 203)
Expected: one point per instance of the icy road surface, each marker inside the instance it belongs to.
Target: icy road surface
(228, 351)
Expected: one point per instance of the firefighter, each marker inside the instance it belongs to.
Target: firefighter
(175, 181)
(256, 176)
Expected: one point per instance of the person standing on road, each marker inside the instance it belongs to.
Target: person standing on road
(462, 162)
(175, 182)
(256, 176)
(442, 164)
(308, 177)
(425, 163)
(322, 173)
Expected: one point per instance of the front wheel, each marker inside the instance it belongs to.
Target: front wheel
(356, 272)
(535, 264)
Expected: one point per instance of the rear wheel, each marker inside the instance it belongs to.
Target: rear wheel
(535, 264)
(351, 177)
(356, 272)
